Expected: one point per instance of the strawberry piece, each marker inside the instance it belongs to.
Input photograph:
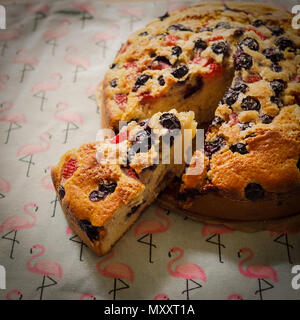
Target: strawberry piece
(214, 70)
(260, 34)
(145, 97)
(120, 98)
(131, 64)
(296, 78)
(233, 119)
(171, 40)
(216, 38)
(253, 78)
(124, 47)
(203, 62)
(120, 137)
(130, 172)
(69, 168)
(159, 65)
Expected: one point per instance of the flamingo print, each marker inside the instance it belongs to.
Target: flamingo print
(235, 296)
(147, 228)
(117, 271)
(284, 234)
(135, 14)
(80, 63)
(87, 10)
(76, 239)
(39, 9)
(51, 35)
(257, 271)
(15, 223)
(3, 81)
(161, 296)
(40, 89)
(14, 293)
(46, 268)
(100, 38)
(215, 231)
(187, 271)
(28, 62)
(14, 119)
(70, 118)
(47, 184)
(8, 35)
(87, 296)
(28, 150)
(4, 188)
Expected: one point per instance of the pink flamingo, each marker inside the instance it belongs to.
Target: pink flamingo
(147, 228)
(51, 35)
(117, 271)
(15, 223)
(235, 296)
(46, 268)
(72, 119)
(284, 234)
(47, 183)
(39, 9)
(188, 271)
(80, 63)
(101, 37)
(14, 119)
(257, 271)
(28, 62)
(135, 14)
(215, 231)
(87, 10)
(87, 296)
(15, 292)
(28, 150)
(40, 89)
(4, 187)
(8, 35)
(161, 296)
(3, 81)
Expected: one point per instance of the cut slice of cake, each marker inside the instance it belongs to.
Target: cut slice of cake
(104, 186)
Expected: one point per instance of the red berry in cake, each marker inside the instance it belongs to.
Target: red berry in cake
(120, 98)
(120, 137)
(253, 78)
(69, 168)
(171, 40)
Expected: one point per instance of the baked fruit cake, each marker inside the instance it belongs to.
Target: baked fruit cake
(236, 65)
(104, 186)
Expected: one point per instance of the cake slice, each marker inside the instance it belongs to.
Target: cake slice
(104, 186)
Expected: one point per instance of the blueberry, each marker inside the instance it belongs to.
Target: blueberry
(112, 65)
(169, 121)
(176, 51)
(284, 42)
(142, 34)
(276, 67)
(220, 47)
(200, 45)
(277, 86)
(250, 43)
(254, 191)
(238, 33)
(266, 118)
(223, 25)
(231, 97)
(91, 231)
(245, 125)
(240, 86)
(217, 121)
(143, 123)
(205, 29)
(242, 60)
(180, 71)
(152, 54)
(240, 148)
(61, 192)
(142, 142)
(273, 54)
(213, 146)
(161, 80)
(107, 187)
(162, 59)
(276, 31)
(250, 103)
(277, 101)
(140, 81)
(133, 210)
(257, 23)
(166, 15)
(113, 83)
(178, 27)
(191, 89)
(96, 195)
(298, 164)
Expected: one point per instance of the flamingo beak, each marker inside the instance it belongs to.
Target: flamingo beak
(239, 254)
(30, 250)
(36, 208)
(169, 254)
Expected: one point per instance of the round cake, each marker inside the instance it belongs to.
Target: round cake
(236, 65)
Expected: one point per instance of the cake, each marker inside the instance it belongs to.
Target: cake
(104, 186)
(236, 66)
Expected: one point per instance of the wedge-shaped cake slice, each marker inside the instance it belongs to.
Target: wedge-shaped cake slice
(104, 186)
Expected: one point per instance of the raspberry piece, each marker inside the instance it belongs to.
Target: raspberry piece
(69, 168)
(120, 98)
(253, 78)
(171, 40)
(130, 172)
(123, 135)
(131, 64)
(214, 69)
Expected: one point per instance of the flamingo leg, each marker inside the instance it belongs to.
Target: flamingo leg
(14, 240)
(26, 67)
(54, 206)
(38, 16)
(77, 69)
(11, 128)
(285, 243)
(115, 289)
(82, 244)
(3, 48)
(75, 127)
(218, 243)
(52, 42)
(261, 289)
(2, 195)
(198, 286)
(41, 95)
(85, 16)
(43, 286)
(150, 244)
(30, 162)
(102, 44)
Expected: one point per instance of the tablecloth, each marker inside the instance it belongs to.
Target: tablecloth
(52, 55)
